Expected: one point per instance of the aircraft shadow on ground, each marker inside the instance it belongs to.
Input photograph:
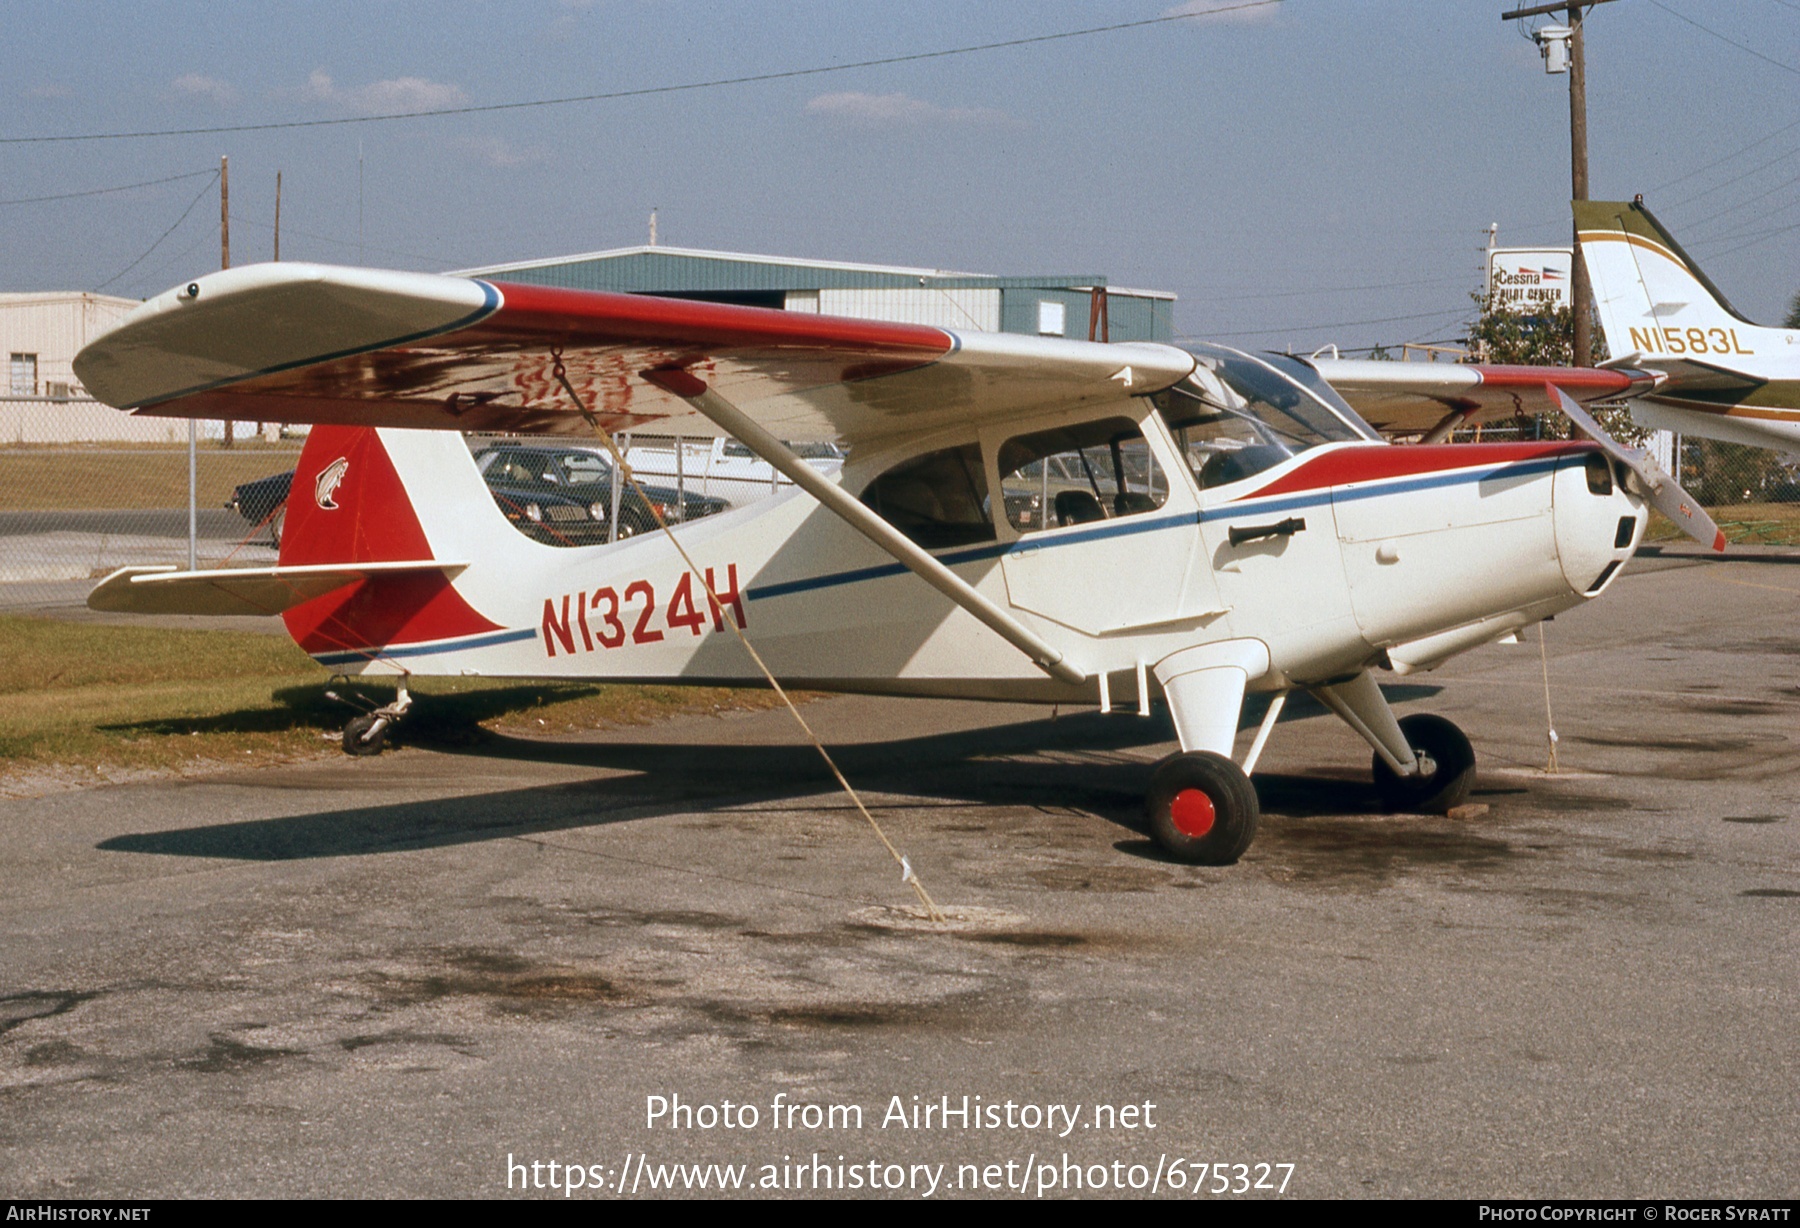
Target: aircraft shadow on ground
(1729, 556)
(1006, 765)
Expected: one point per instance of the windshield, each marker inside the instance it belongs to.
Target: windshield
(1238, 415)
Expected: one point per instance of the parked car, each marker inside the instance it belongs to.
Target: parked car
(264, 502)
(562, 496)
(723, 468)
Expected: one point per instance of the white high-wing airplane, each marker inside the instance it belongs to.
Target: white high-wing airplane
(1717, 374)
(1019, 518)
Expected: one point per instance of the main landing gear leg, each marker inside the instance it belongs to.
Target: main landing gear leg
(1423, 764)
(1202, 807)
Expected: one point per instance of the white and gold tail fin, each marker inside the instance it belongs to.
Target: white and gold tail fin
(1655, 304)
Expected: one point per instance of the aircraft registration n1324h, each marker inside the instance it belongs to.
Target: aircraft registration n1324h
(1018, 518)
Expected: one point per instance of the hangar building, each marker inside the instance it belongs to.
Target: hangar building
(1079, 307)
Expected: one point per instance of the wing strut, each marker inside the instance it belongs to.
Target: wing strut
(729, 417)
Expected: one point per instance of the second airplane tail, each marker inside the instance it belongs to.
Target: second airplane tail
(1655, 304)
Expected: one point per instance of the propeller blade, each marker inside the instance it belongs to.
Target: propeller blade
(1663, 492)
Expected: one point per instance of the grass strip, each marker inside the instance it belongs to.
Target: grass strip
(89, 700)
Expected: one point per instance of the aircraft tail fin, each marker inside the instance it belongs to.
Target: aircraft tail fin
(365, 496)
(1655, 303)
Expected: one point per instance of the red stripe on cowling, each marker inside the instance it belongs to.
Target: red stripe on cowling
(372, 522)
(1376, 461)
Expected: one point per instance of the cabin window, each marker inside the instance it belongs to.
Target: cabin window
(1077, 474)
(939, 499)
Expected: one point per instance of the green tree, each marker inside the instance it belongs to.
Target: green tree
(1535, 339)
(1542, 338)
(1793, 315)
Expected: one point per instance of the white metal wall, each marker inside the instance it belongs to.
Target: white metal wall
(54, 326)
(969, 310)
(80, 420)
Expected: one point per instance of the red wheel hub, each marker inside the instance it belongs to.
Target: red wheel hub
(1193, 813)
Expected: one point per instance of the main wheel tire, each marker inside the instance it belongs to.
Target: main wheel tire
(1203, 809)
(359, 741)
(1452, 774)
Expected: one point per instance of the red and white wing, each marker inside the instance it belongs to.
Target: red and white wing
(1410, 398)
(321, 344)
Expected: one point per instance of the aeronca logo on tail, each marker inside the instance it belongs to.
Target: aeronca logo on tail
(329, 479)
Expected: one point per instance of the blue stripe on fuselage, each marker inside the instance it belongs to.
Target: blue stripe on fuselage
(1322, 497)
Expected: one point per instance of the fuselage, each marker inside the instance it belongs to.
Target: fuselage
(1344, 555)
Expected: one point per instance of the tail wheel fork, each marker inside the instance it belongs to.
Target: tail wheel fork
(370, 733)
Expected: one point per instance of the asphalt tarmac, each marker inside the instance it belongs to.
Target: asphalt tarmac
(437, 973)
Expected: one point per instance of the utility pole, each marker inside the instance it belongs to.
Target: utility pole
(225, 237)
(277, 217)
(1578, 183)
(1579, 289)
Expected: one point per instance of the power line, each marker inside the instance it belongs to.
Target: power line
(1313, 328)
(1728, 157)
(754, 78)
(307, 234)
(205, 188)
(1749, 201)
(1722, 38)
(154, 276)
(124, 187)
(1764, 236)
(1226, 297)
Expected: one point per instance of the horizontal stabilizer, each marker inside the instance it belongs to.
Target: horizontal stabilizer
(238, 590)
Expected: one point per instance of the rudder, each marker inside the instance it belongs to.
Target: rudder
(1652, 298)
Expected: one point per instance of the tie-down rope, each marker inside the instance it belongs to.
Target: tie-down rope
(907, 874)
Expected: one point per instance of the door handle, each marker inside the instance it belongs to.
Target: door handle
(1254, 532)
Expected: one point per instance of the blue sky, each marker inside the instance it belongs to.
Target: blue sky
(1313, 171)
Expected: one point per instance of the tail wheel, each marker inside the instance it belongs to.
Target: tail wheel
(1202, 808)
(366, 735)
(1449, 761)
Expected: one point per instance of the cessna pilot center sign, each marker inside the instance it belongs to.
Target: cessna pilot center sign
(1529, 278)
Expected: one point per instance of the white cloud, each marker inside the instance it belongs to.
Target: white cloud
(383, 97)
(899, 109)
(205, 89)
(1223, 10)
(495, 151)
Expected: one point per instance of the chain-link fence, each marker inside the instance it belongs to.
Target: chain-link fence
(85, 489)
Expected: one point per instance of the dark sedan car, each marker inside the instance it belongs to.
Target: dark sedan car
(562, 496)
(264, 502)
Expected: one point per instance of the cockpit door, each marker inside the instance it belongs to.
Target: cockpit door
(1103, 542)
